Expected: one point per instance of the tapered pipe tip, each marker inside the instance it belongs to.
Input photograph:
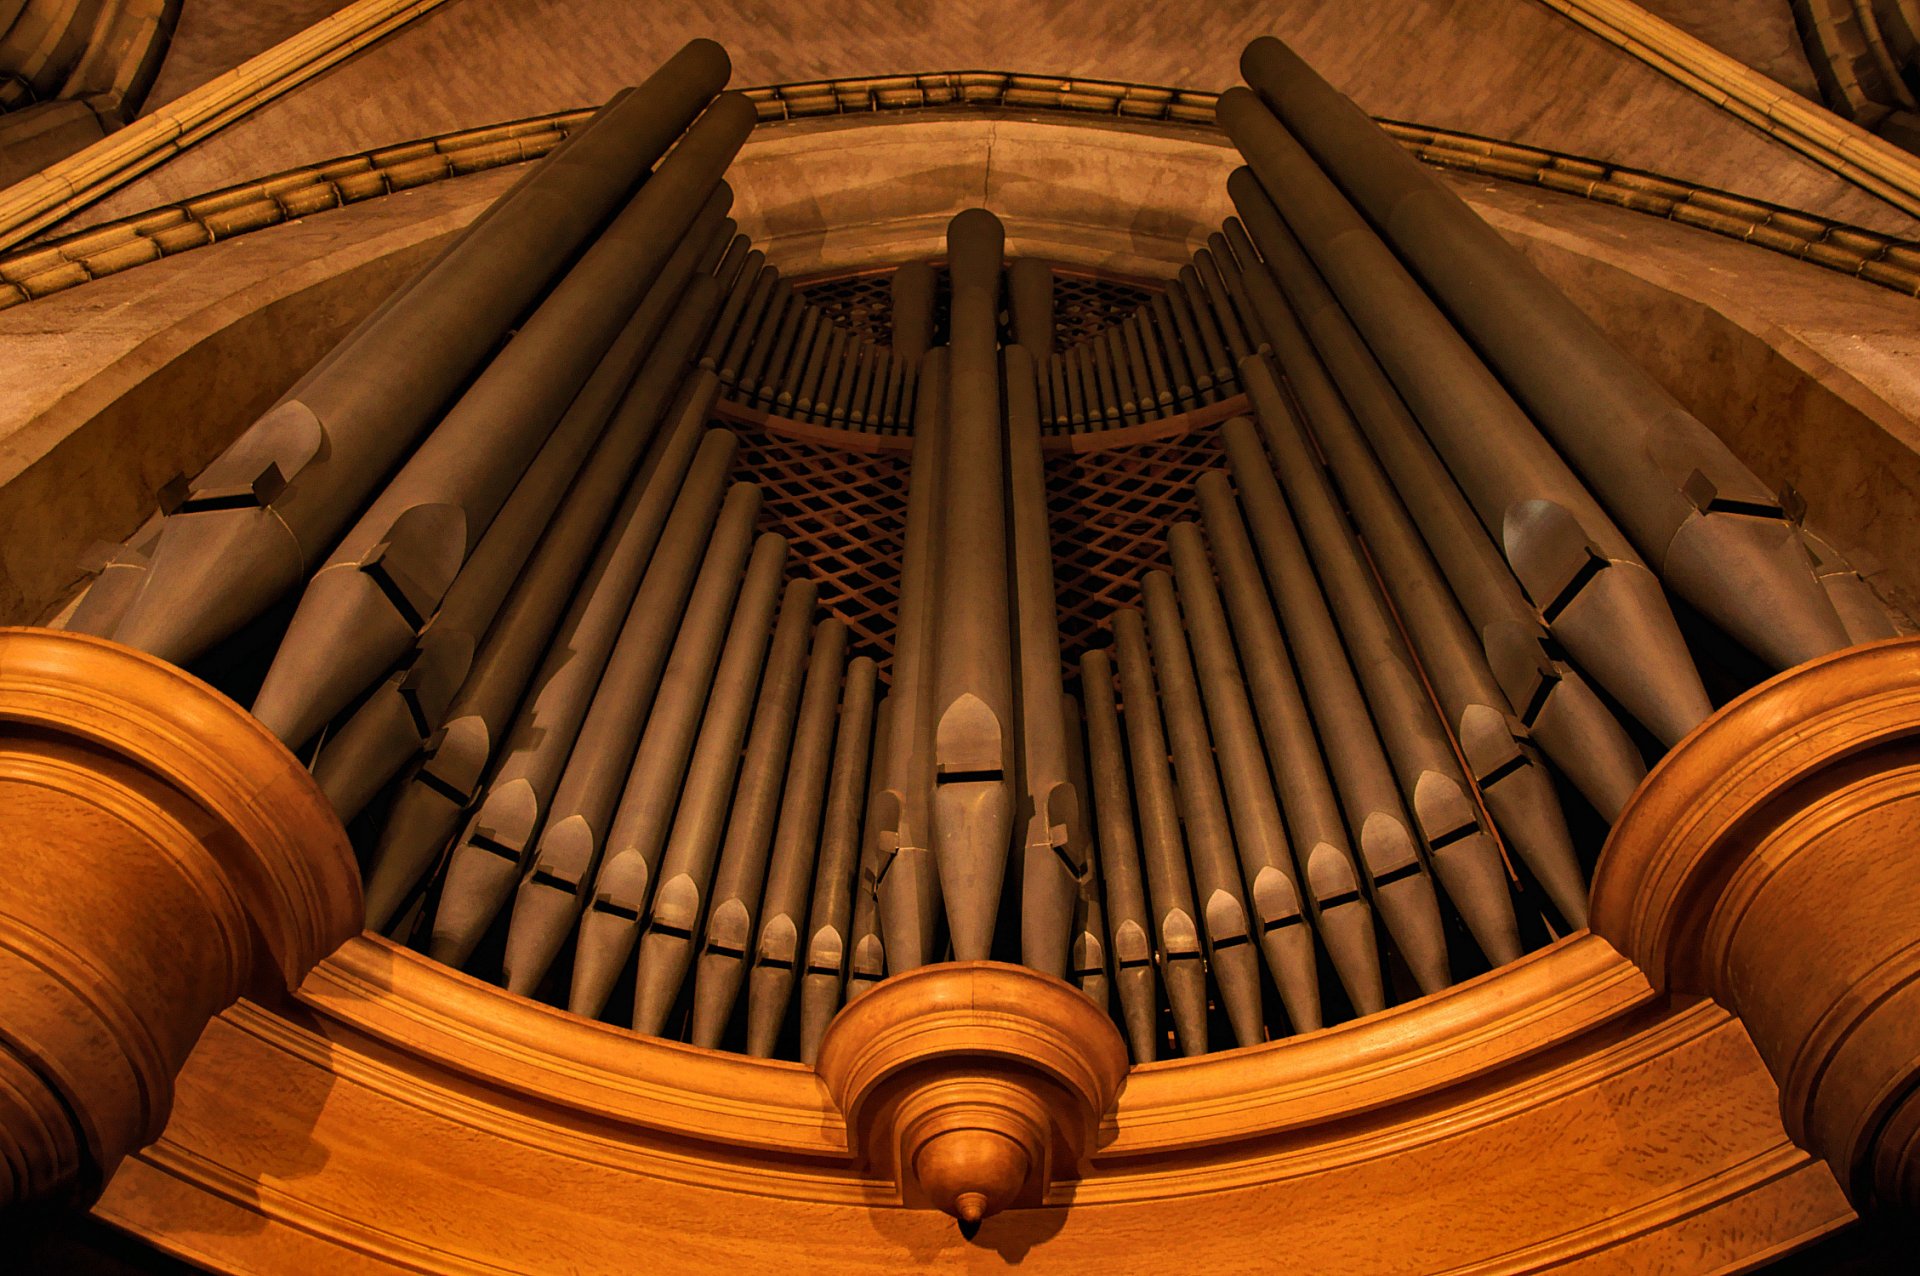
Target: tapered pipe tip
(345, 634)
(543, 917)
(1187, 994)
(1751, 576)
(418, 826)
(211, 573)
(716, 987)
(366, 752)
(664, 960)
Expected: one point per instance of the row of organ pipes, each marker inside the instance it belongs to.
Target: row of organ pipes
(595, 736)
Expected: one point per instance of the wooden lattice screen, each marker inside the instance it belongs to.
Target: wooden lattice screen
(843, 512)
(1110, 511)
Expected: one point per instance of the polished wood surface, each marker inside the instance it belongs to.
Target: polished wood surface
(974, 1086)
(164, 855)
(1576, 1109)
(1769, 862)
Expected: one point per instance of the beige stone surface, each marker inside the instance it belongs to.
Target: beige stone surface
(1812, 377)
(1502, 68)
(115, 387)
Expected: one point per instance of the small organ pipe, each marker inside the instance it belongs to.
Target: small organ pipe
(1232, 934)
(1128, 923)
(740, 793)
(905, 875)
(1162, 844)
(830, 937)
(651, 817)
(1052, 853)
(1402, 890)
(797, 842)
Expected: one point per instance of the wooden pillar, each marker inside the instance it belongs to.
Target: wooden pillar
(163, 855)
(1772, 862)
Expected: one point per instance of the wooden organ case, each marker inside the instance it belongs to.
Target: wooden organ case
(1309, 758)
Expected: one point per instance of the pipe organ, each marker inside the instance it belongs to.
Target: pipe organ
(703, 650)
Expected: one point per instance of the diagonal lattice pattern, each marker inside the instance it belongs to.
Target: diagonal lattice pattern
(1109, 512)
(843, 512)
(862, 303)
(1084, 306)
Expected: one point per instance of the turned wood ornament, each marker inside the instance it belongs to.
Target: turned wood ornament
(164, 855)
(1770, 862)
(975, 1086)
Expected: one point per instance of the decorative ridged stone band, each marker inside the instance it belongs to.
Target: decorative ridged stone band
(40, 201)
(45, 269)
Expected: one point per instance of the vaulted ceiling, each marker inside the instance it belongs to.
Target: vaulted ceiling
(1509, 69)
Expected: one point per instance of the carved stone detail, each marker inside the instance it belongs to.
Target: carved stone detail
(164, 856)
(975, 1086)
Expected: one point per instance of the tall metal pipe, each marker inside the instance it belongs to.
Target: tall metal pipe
(1518, 790)
(651, 815)
(1402, 890)
(392, 570)
(1342, 917)
(835, 882)
(1128, 922)
(1030, 301)
(782, 907)
(1232, 935)
(1587, 579)
(905, 875)
(519, 820)
(1577, 731)
(1706, 523)
(251, 524)
(1052, 854)
(703, 877)
(1162, 844)
(973, 803)
(1463, 855)
(912, 293)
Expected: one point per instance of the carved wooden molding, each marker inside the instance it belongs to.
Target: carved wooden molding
(1769, 862)
(974, 1086)
(165, 854)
